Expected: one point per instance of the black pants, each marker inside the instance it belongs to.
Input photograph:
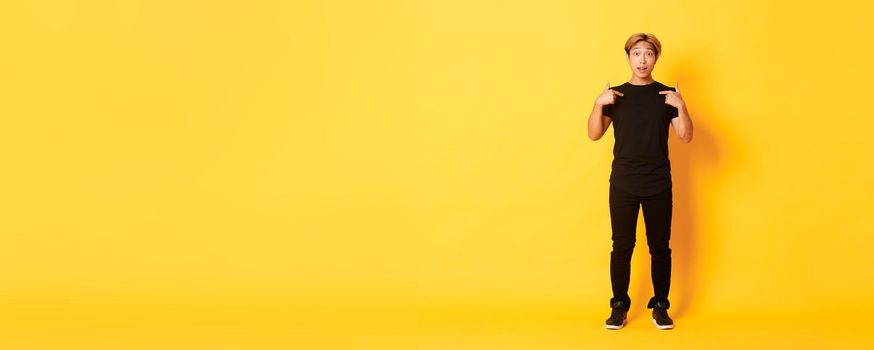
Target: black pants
(624, 209)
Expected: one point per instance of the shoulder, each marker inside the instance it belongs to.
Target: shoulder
(621, 88)
(662, 87)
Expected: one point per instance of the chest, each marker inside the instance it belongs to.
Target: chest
(644, 109)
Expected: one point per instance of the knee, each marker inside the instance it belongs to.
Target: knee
(660, 251)
(623, 248)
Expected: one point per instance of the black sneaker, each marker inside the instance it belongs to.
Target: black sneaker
(660, 317)
(617, 318)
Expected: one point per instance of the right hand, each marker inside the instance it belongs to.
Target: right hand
(608, 97)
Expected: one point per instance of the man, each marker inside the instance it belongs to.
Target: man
(641, 111)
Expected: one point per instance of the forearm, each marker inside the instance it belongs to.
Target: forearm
(597, 126)
(684, 124)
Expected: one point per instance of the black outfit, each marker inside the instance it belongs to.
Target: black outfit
(641, 176)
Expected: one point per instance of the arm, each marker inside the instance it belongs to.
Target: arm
(683, 125)
(598, 122)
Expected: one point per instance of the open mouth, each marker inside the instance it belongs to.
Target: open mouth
(641, 69)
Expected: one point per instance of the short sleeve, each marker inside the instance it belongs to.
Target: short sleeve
(674, 112)
(607, 111)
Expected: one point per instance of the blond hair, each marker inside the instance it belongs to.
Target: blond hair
(638, 37)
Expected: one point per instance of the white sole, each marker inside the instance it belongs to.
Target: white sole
(670, 326)
(618, 327)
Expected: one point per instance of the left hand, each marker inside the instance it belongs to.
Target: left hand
(673, 98)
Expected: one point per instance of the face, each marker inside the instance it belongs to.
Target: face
(642, 59)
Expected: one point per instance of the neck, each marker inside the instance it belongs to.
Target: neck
(635, 80)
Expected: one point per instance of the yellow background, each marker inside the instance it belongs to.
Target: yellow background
(416, 174)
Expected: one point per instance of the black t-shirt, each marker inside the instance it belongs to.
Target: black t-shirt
(641, 120)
